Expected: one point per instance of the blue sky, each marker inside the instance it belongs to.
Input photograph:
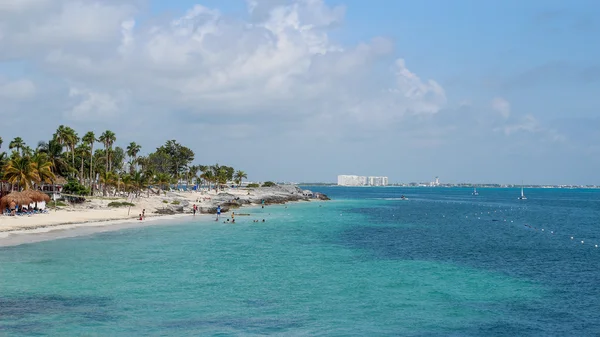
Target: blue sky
(468, 90)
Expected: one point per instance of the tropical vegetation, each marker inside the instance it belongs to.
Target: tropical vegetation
(95, 165)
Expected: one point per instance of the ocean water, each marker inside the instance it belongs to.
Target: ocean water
(442, 263)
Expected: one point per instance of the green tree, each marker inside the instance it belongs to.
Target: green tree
(53, 151)
(132, 151)
(17, 144)
(117, 158)
(67, 137)
(89, 139)
(83, 152)
(108, 138)
(44, 167)
(239, 176)
(21, 171)
(162, 180)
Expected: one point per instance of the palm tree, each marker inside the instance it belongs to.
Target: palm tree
(83, 151)
(90, 138)
(108, 138)
(44, 168)
(21, 171)
(132, 150)
(139, 182)
(208, 176)
(162, 180)
(3, 160)
(67, 137)
(16, 143)
(192, 173)
(53, 151)
(107, 179)
(239, 176)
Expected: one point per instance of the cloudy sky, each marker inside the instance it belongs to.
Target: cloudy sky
(305, 90)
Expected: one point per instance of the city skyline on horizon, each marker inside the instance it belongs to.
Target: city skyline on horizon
(300, 90)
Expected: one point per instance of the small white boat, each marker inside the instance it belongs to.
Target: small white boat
(522, 197)
(475, 191)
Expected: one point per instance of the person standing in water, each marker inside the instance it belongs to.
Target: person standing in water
(232, 217)
(218, 212)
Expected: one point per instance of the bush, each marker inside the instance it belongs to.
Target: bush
(165, 201)
(175, 202)
(75, 188)
(269, 184)
(56, 203)
(253, 185)
(119, 204)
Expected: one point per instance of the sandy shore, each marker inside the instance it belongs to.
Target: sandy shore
(95, 211)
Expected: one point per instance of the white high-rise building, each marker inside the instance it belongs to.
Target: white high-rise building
(351, 180)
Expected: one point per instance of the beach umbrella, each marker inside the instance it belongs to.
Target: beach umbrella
(19, 197)
(37, 196)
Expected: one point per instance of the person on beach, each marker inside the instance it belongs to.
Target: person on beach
(141, 217)
(194, 209)
(143, 214)
(13, 205)
(218, 212)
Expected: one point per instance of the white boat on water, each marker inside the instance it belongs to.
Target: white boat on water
(475, 191)
(522, 197)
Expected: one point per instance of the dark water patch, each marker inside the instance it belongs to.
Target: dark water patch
(25, 306)
(260, 325)
(24, 328)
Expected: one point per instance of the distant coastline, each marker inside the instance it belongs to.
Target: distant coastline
(465, 185)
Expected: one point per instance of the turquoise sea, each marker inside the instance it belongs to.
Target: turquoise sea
(442, 263)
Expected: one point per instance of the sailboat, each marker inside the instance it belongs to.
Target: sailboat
(522, 197)
(475, 191)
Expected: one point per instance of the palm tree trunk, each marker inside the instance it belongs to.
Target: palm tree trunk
(81, 172)
(91, 169)
(73, 156)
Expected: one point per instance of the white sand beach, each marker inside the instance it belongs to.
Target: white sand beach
(95, 211)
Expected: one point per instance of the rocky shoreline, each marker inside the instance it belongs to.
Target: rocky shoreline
(228, 200)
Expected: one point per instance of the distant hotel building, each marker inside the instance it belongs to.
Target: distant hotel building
(349, 180)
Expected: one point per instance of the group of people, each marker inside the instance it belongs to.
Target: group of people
(14, 209)
(143, 215)
(232, 216)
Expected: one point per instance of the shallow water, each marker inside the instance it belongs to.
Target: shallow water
(443, 263)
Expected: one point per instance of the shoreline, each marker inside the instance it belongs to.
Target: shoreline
(96, 216)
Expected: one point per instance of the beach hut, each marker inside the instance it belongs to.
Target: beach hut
(20, 198)
(37, 196)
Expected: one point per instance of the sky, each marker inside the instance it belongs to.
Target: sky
(304, 90)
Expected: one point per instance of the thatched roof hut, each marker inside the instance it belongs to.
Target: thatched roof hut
(37, 196)
(20, 199)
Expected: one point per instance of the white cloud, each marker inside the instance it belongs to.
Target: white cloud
(206, 63)
(17, 90)
(530, 124)
(92, 106)
(502, 106)
(280, 72)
